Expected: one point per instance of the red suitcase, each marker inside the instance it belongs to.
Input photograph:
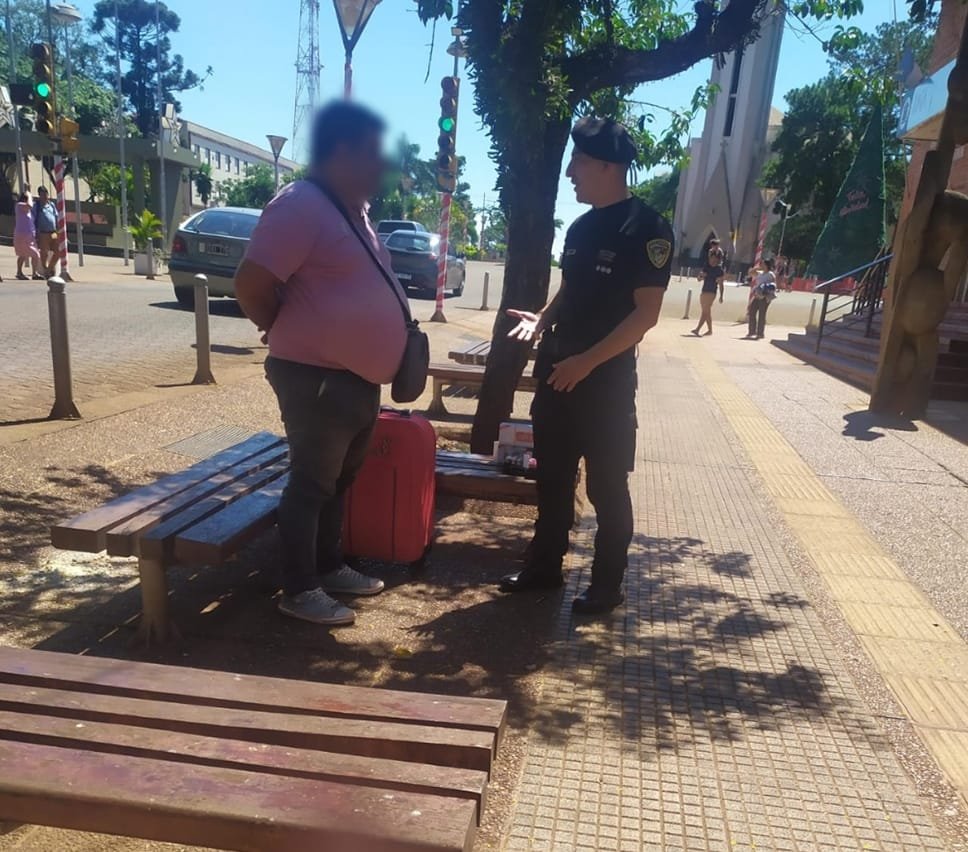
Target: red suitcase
(389, 511)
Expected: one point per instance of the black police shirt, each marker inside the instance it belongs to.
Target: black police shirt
(609, 253)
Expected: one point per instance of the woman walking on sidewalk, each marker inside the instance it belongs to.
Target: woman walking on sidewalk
(712, 276)
(24, 239)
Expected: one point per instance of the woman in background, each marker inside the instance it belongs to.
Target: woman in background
(25, 239)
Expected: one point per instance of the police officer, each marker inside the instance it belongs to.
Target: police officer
(615, 270)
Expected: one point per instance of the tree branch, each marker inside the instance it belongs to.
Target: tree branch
(609, 66)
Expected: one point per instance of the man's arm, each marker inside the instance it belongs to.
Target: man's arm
(255, 290)
(648, 303)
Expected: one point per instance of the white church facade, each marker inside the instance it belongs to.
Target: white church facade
(718, 190)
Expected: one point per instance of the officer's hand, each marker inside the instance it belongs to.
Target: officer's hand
(568, 373)
(528, 327)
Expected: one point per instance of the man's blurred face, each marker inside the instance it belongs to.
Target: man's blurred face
(364, 165)
(42, 194)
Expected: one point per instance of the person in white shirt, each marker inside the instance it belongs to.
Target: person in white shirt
(762, 292)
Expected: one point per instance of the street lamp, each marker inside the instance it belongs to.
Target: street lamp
(783, 221)
(353, 16)
(67, 15)
(276, 143)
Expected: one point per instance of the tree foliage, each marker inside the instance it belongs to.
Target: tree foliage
(825, 121)
(202, 178)
(254, 190)
(141, 41)
(659, 192)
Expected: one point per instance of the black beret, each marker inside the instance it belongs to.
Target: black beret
(604, 139)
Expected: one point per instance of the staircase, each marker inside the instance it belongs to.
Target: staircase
(846, 343)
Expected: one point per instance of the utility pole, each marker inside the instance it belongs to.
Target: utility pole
(162, 189)
(15, 107)
(122, 130)
(66, 15)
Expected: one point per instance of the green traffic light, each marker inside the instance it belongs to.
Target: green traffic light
(447, 124)
(43, 89)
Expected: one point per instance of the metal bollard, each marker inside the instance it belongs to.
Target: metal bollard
(813, 308)
(487, 283)
(203, 345)
(60, 352)
(688, 303)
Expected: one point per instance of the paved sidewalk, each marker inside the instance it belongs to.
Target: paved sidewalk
(727, 705)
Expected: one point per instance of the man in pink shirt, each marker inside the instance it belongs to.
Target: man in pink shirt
(336, 333)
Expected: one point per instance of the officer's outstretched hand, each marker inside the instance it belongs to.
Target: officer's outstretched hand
(568, 373)
(529, 325)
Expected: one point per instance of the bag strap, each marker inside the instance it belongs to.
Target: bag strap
(407, 316)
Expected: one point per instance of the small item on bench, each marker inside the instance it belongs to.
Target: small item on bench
(513, 439)
(521, 464)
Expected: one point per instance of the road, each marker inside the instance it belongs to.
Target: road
(128, 334)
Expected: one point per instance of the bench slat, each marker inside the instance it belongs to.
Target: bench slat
(122, 540)
(226, 689)
(392, 740)
(192, 749)
(86, 532)
(159, 542)
(219, 536)
(223, 808)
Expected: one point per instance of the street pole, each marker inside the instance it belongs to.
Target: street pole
(121, 134)
(66, 15)
(348, 74)
(162, 191)
(16, 107)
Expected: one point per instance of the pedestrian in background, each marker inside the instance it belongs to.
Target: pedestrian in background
(762, 293)
(45, 226)
(25, 239)
(713, 276)
(311, 278)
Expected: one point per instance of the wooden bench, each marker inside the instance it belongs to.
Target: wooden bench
(476, 353)
(476, 477)
(202, 515)
(467, 376)
(239, 762)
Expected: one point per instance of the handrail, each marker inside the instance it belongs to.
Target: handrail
(853, 272)
(865, 297)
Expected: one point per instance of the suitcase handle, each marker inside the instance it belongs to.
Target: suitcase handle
(403, 412)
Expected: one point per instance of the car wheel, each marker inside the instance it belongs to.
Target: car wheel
(459, 289)
(186, 297)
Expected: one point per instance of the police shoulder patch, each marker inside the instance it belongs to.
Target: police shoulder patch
(658, 251)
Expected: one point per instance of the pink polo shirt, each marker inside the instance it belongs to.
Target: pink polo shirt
(336, 309)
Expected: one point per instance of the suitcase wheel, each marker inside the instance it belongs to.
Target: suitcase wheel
(421, 563)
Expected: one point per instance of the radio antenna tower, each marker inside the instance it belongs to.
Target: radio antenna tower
(307, 70)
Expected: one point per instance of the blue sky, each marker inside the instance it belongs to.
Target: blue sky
(251, 46)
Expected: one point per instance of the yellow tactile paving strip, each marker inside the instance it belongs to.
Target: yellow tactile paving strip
(920, 656)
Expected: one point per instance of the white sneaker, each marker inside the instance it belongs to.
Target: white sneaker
(316, 606)
(347, 581)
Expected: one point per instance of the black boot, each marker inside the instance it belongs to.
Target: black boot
(531, 580)
(592, 601)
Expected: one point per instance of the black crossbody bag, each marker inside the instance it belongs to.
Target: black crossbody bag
(411, 378)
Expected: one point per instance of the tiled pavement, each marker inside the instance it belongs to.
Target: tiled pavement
(715, 710)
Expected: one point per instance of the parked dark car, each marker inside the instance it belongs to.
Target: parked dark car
(212, 242)
(385, 227)
(415, 256)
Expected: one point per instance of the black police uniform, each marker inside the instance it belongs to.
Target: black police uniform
(609, 253)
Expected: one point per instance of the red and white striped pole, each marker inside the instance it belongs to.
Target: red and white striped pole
(61, 217)
(442, 259)
(758, 260)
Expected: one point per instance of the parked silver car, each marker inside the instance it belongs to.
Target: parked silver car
(212, 242)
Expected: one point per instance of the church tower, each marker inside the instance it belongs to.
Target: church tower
(718, 192)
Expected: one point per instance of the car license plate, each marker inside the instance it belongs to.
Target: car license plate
(219, 249)
(404, 276)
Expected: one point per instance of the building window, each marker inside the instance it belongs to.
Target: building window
(237, 165)
(733, 88)
(218, 159)
(195, 150)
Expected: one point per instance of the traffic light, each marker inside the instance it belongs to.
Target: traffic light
(43, 100)
(68, 130)
(447, 140)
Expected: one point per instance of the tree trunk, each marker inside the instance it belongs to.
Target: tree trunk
(529, 196)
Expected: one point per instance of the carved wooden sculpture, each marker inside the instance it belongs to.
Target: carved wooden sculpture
(930, 258)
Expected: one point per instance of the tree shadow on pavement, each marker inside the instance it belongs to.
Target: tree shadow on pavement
(861, 425)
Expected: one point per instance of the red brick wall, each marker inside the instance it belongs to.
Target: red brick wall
(953, 16)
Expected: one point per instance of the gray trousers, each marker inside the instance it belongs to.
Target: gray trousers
(758, 317)
(329, 417)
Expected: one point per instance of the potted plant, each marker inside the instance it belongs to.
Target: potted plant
(145, 229)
